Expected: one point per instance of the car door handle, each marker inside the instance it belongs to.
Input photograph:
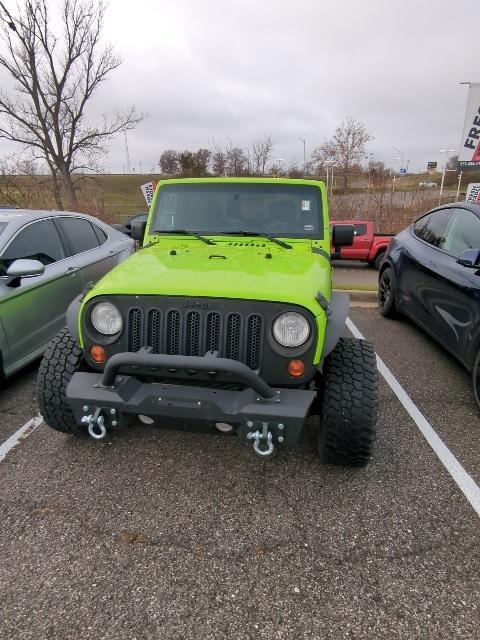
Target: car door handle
(71, 270)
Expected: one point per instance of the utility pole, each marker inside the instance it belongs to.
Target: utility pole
(304, 155)
(127, 154)
(458, 185)
(447, 152)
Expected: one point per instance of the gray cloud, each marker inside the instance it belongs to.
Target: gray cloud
(217, 70)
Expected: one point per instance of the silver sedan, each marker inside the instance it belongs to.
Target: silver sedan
(46, 259)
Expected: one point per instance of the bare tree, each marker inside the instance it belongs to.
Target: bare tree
(21, 183)
(56, 72)
(194, 163)
(346, 148)
(262, 150)
(452, 164)
(219, 162)
(168, 162)
(236, 160)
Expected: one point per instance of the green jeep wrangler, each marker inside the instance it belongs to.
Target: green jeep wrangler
(224, 321)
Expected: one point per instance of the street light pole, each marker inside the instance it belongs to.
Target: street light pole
(394, 162)
(401, 157)
(447, 152)
(327, 164)
(304, 156)
(458, 185)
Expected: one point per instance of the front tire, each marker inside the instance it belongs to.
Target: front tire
(349, 409)
(60, 361)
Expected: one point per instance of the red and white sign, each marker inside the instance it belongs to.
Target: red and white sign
(148, 190)
(473, 192)
(469, 154)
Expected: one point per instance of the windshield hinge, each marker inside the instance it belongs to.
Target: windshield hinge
(324, 303)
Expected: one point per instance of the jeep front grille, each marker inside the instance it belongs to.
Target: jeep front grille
(194, 332)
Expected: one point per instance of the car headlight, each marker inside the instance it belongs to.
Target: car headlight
(106, 318)
(291, 329)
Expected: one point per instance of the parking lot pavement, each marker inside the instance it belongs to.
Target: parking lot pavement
(437, 383)
(352, 273)
(154, 534)
(17, 401)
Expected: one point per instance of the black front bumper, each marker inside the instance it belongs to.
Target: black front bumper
(255, 407)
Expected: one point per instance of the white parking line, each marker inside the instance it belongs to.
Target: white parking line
(465, 482)
(20, 434)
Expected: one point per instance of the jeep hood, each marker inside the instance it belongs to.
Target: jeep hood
(228, 269)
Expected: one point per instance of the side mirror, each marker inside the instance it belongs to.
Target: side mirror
(138, 229)
(470, 258)
(23, 268)
(342, 235)
(122, 228)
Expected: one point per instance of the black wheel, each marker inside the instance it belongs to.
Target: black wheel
(60, 361)
(377, 263)
(386, 293)
(349, 409)
(476, 378)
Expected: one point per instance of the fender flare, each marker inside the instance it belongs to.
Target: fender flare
(339, 304)
(72, 317)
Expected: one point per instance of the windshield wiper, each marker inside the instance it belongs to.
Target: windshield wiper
(258, 234)
(184, 232)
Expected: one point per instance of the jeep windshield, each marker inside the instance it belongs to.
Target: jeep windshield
(285, 210)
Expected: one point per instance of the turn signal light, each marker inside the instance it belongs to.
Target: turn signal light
(98, 354)
(296, 368)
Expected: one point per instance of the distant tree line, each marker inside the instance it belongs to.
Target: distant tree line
(344, 152)
(229, 160)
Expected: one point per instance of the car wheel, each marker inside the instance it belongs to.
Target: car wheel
(377, 263)
(476, 378)
(61, 360)
(386, 293)
(349, 404)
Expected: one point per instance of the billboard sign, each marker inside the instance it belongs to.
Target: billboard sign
(469, 154)
(432, 167)
(148, 190)
(473, 192)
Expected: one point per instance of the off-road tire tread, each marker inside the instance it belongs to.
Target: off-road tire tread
(349, 411)
(60, 361)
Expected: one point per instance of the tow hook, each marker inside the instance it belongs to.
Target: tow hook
(261, 437)
(96, 425)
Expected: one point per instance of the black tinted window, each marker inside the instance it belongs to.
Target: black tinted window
(431, 227)
(100, 233)
(360, 229)
(37, 241)
(462, 232)
(80, 233)
(293, 210)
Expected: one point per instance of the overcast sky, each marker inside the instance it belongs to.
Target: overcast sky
(205, 70)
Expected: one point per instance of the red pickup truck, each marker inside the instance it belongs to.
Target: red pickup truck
(367, 246)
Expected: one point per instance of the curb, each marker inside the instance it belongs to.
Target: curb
(360, 296)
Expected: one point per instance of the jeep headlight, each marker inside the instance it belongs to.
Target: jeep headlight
(291, 329)
(106, 318)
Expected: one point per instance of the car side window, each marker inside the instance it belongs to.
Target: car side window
(431, 227)
(462, 232)
(360, 229)
(37, 241)
(80, 233)
(100, 233)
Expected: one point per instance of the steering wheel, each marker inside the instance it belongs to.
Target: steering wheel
(279, 227)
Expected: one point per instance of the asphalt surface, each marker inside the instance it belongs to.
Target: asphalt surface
(154, 534)
(354, 273)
